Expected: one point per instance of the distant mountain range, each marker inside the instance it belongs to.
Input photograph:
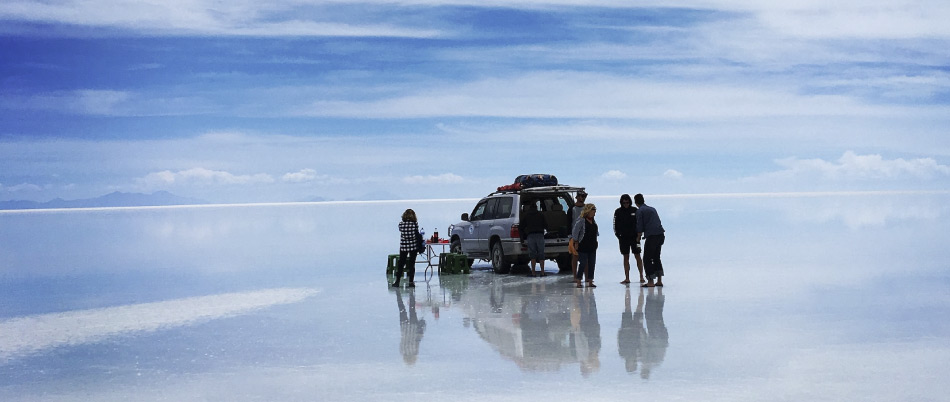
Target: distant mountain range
(116, 199)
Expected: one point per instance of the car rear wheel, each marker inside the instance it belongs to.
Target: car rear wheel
(498, 262)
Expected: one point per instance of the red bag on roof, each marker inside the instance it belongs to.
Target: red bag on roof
(510, 187)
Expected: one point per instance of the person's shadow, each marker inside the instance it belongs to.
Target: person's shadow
(643, 347)
(411, 328)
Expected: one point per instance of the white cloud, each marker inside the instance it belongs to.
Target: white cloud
(858, 19)
(304, 175)
(93, 102)
(854, 166)
(859, 212)
(445, 178)
(614, 175)
(809, 19)
(112, 103)
(570, 94)
(205, 17)
(98, 101)
(201, 176)
(22, 187)
(673, 174)
(311, 176)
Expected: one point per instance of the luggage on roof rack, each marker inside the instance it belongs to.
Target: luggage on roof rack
(536, 180)
(529, 181)
(510, 187)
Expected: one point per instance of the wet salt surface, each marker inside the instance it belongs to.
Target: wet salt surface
(779, 298)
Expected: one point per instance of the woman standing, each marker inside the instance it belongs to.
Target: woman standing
(585, 234)
(408, 230)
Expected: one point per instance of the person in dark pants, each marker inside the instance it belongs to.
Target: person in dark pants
(576, 210)
(408, 230)
(532, 227)
(625, 228)
(649, 226)
(585, 234)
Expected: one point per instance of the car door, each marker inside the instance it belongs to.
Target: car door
(483, 230)
(498, 221)
(501, 217)
(471, 243)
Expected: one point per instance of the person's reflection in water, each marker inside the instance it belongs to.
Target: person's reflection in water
(411, 328)
(657, 339)
(631, 333)
(638, 345)
(496, 298)
(585, 331)
(539, 349)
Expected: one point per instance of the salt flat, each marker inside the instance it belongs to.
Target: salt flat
(785, 297)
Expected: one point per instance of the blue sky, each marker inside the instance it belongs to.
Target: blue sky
(297, 100)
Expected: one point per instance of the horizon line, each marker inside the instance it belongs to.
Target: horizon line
(428, 200)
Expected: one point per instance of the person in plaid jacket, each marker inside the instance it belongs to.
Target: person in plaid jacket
(408, 230)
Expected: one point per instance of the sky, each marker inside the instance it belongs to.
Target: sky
(290, 100)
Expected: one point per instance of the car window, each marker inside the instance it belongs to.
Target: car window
(479, 212)
(553, 203)
(525, 202)
(565, 202)
(501, 209)
(490, 209)
(546, 204)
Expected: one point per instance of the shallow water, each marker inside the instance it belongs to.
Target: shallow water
(766, 298)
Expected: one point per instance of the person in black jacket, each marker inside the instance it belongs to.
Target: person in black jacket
(625, 228)
(532, 227)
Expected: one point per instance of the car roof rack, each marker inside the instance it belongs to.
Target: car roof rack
(542, 189)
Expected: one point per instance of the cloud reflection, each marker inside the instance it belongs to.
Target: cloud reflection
(32, 334)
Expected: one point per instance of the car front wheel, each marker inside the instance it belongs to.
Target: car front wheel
(456, 248)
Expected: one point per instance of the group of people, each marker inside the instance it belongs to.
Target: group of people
(631, 224)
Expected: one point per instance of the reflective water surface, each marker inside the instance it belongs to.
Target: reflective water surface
(766, 298)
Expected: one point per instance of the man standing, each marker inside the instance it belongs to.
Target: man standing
(532, 227)
(649, 226)
(625, 228)
(576, 216)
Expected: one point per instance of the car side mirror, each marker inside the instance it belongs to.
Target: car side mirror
(465, 217)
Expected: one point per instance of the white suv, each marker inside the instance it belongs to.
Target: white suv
(491, 233)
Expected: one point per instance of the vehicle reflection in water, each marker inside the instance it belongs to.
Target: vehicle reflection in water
(643, 347)
(411, 328)
(540, 325)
